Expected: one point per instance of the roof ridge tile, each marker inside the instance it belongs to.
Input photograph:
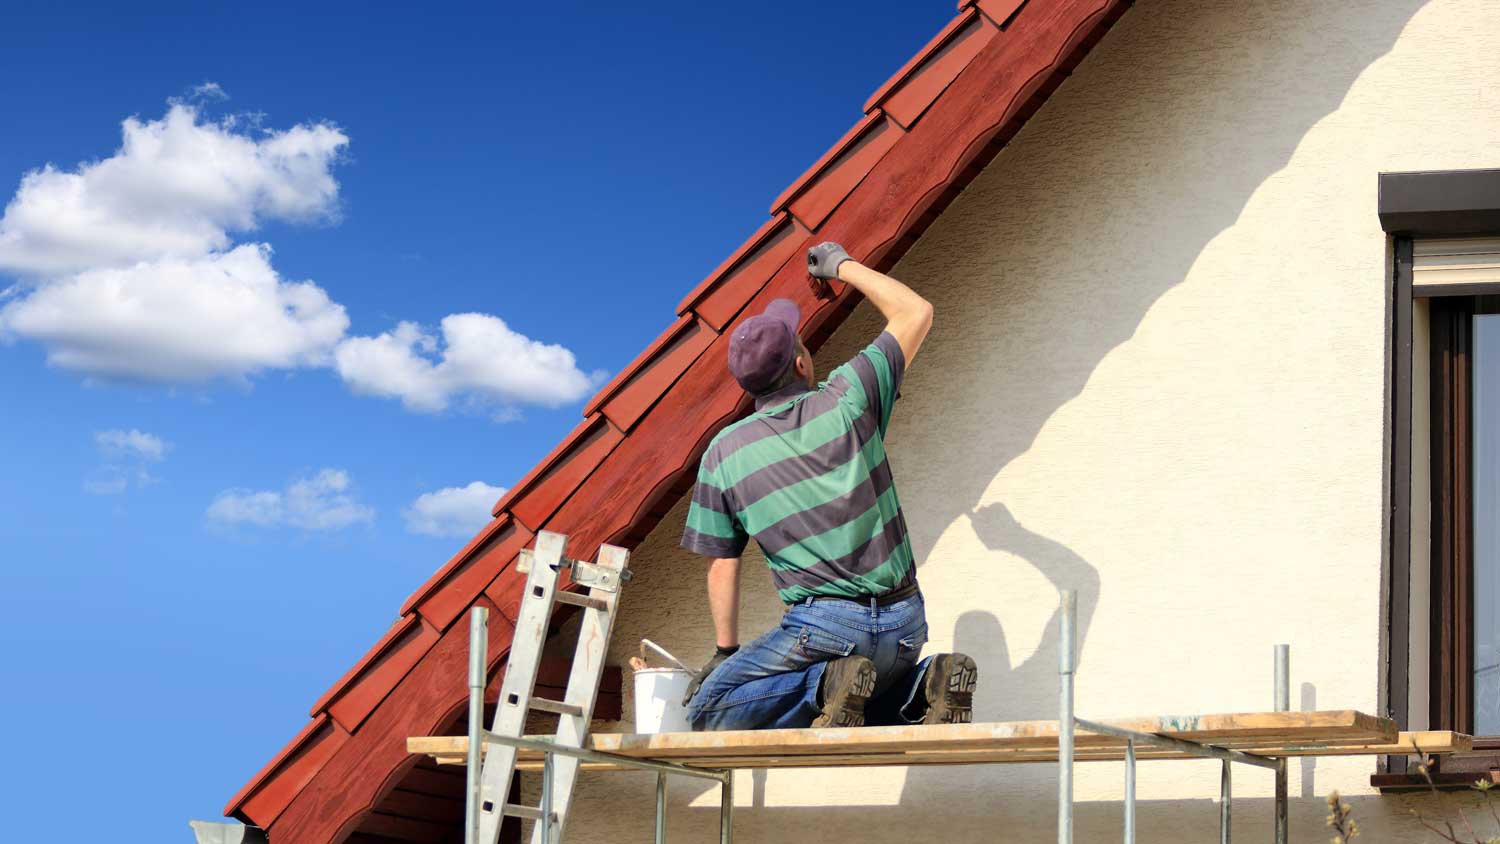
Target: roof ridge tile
(431, 584)
(318, 740)
(631, 393)
(936, 43)
(538, 495)
(839, 171)
(723, 294)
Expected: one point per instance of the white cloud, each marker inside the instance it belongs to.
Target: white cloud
(126, 455)
(176, 188)
(453, 511)
(479, 358)
(127, 265)
(131, 443)
(180, 319)
(210, 91)
(128, 268)
(110, 483)
(324, 501)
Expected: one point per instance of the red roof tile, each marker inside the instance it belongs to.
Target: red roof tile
(548, 485)
(366, 684)
(998, 11)
(446, 594)
(262, 799)
(719, 298)
(924, 56)
(354, 776)
(631, 393)
(612, 478)
(814, 196)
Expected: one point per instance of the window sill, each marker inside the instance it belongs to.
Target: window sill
(1441, 780)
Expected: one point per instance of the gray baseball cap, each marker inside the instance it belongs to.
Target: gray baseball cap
(763, 346)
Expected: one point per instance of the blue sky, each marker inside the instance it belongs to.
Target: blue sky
(215, 451)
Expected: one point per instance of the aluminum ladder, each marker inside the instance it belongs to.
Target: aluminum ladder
(489, 781)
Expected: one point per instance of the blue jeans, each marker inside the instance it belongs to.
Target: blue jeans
(773, 681)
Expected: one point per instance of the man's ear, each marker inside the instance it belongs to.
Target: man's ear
(803, 363)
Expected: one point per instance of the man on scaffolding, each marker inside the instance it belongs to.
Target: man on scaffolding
(806, 475)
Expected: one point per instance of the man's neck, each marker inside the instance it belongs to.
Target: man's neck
(781, 396)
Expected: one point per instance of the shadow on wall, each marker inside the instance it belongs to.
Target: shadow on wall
(1184, 110)
(1309, 763)
(1181, 113)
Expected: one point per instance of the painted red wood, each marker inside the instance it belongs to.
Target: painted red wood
(505, 592)
(911, 98)
(411, 829)
(365, 769)
(974, 115)
(627, 398)
(262, 799)
(813, 197)
(429, 807)
(721, 296)
(963, 18)
(372, 678)
(552, 682)
(546, 487)
(1000, 11)
(457, 590)
(431, 585)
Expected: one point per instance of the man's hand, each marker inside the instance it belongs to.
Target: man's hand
(720, 654)
(823, 260)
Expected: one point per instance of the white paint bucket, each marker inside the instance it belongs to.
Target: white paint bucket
(659, 691)
(658, 700)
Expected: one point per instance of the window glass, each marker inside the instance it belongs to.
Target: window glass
(1486, 521)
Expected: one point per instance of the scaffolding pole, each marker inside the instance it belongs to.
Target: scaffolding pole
(1283, 704)
(1068, 721)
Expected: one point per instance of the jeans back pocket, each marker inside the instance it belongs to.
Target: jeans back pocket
(819, 645)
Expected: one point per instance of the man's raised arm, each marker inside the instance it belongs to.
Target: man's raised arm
(908, 316)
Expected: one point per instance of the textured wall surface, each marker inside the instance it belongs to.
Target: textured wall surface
(1156, 377)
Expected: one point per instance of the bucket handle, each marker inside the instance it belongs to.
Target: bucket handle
(664, 653)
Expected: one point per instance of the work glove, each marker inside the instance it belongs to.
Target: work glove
(823, 260)
(720, 654)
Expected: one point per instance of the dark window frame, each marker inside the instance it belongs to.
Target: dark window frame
(1451, 203)
(1451, 676)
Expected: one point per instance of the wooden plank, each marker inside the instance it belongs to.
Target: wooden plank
(1337, 732)
(450, 751)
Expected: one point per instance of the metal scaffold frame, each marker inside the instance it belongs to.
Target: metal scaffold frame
(1139, 743)
(1068, 721)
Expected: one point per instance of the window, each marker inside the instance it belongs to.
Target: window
(1442, 622)
(1464, 662)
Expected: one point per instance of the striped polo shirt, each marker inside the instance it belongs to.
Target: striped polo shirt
(806, 475)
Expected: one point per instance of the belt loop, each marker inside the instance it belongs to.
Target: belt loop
(874, 608)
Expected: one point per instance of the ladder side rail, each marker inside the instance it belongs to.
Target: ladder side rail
(525, 658)
(595, 627)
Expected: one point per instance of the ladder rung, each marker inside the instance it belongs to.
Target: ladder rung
(527, 813)
(555, 706)
(581, 601)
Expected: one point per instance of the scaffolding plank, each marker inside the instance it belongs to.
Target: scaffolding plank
(1331, 733)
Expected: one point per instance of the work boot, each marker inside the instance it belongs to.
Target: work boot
(949, 689)
(846, 685)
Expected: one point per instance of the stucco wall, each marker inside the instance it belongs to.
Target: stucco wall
(1156, 376)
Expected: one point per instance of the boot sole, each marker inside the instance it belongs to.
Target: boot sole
(845, 707)
(949, 687)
